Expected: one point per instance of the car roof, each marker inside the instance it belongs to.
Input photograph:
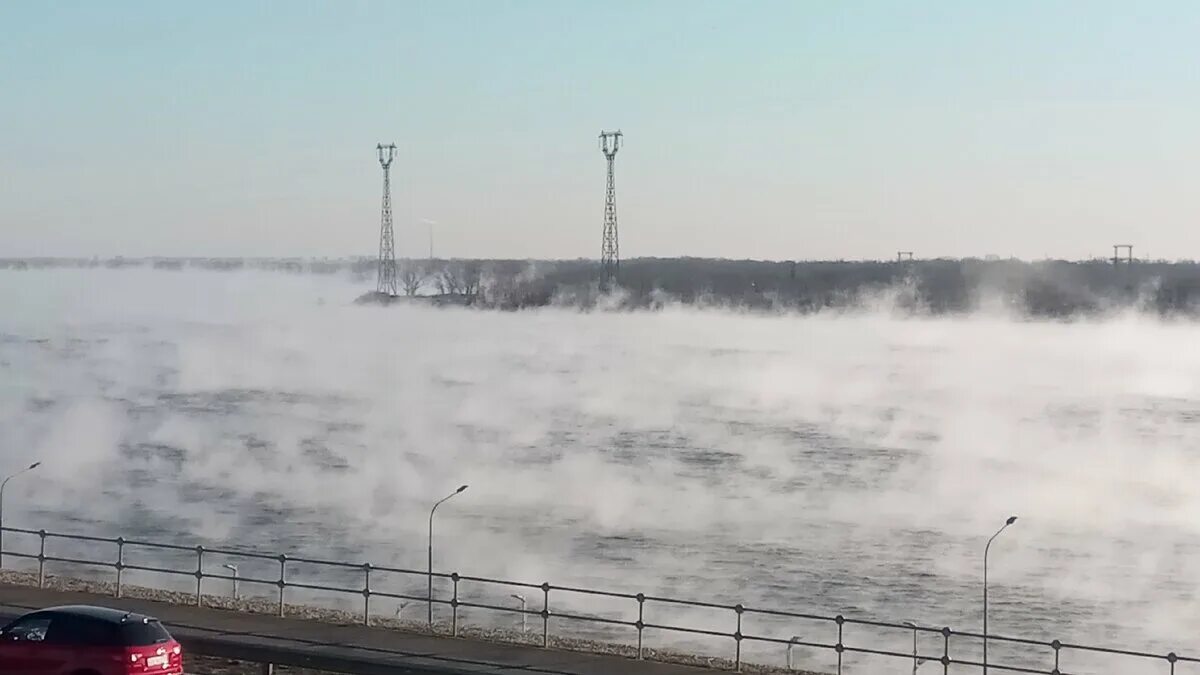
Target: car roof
(105, 614)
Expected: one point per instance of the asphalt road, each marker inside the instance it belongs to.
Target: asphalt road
(341, 648)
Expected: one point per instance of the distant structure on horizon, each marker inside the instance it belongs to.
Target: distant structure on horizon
(387, 240)
(610, 253)
(1117, 259)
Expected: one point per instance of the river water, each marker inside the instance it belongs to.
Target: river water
(838, 463)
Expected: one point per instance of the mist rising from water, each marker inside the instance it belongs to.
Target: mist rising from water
(833, 463)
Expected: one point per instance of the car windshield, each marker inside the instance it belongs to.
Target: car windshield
(144, 633)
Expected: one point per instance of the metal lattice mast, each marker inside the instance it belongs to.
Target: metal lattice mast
(610, 253)
(387, 240)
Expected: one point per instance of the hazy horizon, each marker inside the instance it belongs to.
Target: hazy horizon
(373, 257)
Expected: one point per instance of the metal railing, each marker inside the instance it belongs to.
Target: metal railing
(952, 643)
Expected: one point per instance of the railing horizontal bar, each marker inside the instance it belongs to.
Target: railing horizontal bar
(498, 582)
(21, 530)
(991, 665)
(160, 570)
(792, 615)
(495, 608)
(585, 591)
(693, 631)
(331, 589)
(155, 545)
(888, 624)
(78, 537)
(233, 553)
(254, 581)
(420, 573)
(798, 643)
(328, 563)
(1120, 652)
(593, 619)
(880, 652)
(227, 577)
(73, 561)
(403, 596)
(689, 603)
(1003, 638)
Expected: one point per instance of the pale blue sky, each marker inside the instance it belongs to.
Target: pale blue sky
(754, 129)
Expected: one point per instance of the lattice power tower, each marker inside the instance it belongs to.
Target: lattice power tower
(610, 252)
(387, 239)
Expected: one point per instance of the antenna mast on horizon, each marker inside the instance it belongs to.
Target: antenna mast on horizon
(387, 241)
(610, 253)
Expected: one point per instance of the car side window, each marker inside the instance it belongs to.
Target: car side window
(29, 629)
(80, 631)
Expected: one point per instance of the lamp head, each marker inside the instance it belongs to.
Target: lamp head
(465, 487)
(1011, 520)
(34, 466)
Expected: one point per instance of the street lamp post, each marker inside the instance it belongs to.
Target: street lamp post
(234, 569)
(524, 620)
(986, 549)
(791, 643)
(3, 485)
(430, 596)
(916, 661)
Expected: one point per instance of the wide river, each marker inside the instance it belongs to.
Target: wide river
(851, 463)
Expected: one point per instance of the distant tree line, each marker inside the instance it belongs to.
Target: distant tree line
(1051, 288)
(1041, 289)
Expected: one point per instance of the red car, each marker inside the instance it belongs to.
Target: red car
(93, 640)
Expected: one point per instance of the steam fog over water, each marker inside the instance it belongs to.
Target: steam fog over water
(830, 464)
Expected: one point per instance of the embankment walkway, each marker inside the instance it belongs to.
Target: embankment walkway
(341, 648)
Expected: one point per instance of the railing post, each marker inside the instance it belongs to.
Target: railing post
(737, 639)
(42, 559)
(1056, 646)
(1171, 659)
(839, 647)
(282, 583)
(199, 575)
(367, 594)
(946, 660)
(545, 614)
(641, 622)
(454, 605)
(120, 563)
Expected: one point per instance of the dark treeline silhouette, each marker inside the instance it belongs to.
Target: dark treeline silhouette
(1052, 288)
(1045, 288)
